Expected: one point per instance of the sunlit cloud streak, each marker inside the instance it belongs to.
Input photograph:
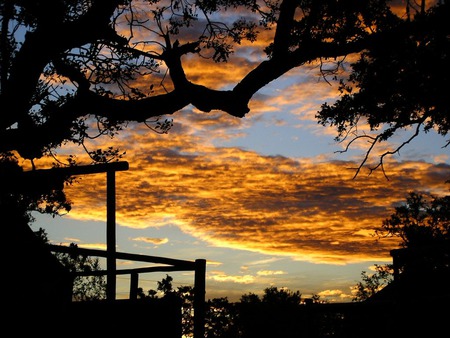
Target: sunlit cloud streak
(95, 246)
(332, 293)
(220, 276)
(156, 241)
(307, 209)
(270, 272)
(229, 197)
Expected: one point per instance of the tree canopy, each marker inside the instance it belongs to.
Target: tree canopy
(419, 222)
(422, 225)
(69, 65)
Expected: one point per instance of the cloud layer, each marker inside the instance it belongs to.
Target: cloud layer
(230, 197)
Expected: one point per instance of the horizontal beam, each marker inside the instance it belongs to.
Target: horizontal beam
(40, 180)
(136, 270)
(81, 169)
(181, 264)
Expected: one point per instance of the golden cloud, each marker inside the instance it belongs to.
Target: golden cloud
(230, 197)
(270, 272)
(222, 277)
(306, 209)
(156, 241)
(332, 293)
(96, 246)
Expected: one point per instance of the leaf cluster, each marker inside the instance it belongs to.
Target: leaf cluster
(104, 64)
(371, 284)
(21, 195)
(223, 319)
(84, 288)
(398, 83)
(419, 222)
(422, 225)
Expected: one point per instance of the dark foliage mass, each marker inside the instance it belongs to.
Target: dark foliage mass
(85, 287)
(397, 83)
(273, 314)
(421, 224)
(69, 65)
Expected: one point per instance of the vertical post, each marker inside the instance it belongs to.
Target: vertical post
(199, 298)
(111, 234)
(395, 263)
(134, 282)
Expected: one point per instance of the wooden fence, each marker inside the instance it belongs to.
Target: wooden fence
(53, 178)
(167, 315)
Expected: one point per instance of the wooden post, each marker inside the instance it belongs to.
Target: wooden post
(199, 298)
(28, 178)
(395, 262)
(111, 234)
(134, 283)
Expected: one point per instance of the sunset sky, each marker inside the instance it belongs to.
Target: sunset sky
(267, 200)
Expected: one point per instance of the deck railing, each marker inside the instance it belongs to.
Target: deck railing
(47, 178)
(198, 266)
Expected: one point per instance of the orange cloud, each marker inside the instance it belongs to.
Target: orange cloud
(229, 197)
(156, 241)
(306, 209)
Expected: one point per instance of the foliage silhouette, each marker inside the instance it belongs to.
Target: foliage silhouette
(396, 84)
(51, 282)
(85, 288)
(422, 224)
(184, 293)
(419, 222)
(110, 63)
(271, 315)
(371, 284)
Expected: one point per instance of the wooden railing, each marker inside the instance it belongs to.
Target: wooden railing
(198, 266)
(53, 178)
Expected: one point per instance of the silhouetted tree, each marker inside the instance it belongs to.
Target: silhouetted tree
(85, 288)
(68, 63)
(370, 284)
(221, 319)
(274, 314)
(20, 195)
(273, 295)
(419, 222)
(278, 313)
(396, 84)
(422, 225)
(29, 263)
(184, 293)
